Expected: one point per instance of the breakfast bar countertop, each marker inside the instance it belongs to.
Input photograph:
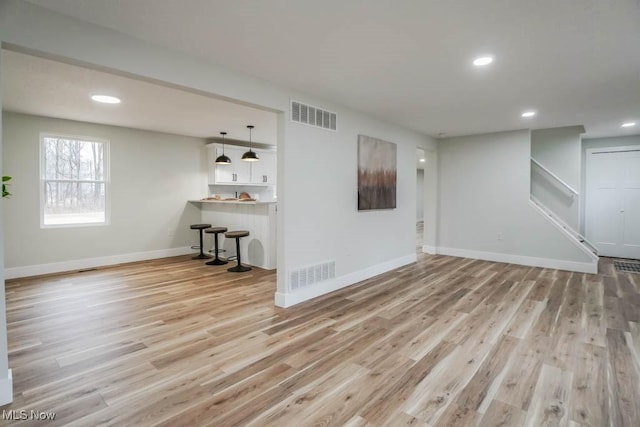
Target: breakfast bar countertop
(234, 201)
(257, 217)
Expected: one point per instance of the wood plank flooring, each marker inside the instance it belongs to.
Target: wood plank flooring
(443, 342)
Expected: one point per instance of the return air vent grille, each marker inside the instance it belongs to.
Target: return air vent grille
(313, 116)
(631, 267)
(306, 276)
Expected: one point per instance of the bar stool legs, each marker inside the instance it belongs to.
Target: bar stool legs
(215, 231)
(200, 228)
(239, 268)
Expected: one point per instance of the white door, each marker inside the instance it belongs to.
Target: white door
(613, 201)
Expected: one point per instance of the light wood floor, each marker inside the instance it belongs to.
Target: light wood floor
(446, 341)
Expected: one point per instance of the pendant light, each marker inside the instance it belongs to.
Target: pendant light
(250, 156)
(223, 160)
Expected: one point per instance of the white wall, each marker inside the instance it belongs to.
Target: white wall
(484, 208)
(621, 141)
(152, 177)
(317, 204)
(320, 192)
(558, 149)
(419, 195)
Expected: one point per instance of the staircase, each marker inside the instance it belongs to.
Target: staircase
(578, 239)
(565, 227)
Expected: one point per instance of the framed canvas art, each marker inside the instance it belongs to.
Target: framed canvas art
(377, 171)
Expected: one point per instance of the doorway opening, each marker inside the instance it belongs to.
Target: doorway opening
(420, 162)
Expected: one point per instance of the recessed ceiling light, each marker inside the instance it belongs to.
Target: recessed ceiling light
(422, 160)
(628, 124)
(528, 114)
(483, 60)
(106, 99)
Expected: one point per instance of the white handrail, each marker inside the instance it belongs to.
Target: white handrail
(554, 176)
(578, 239)
(563, 224)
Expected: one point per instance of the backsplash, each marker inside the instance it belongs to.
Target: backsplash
(263, 194)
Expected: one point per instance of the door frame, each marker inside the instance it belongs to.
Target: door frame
(589, 152)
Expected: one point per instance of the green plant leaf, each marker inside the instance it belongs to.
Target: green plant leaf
(5, 193)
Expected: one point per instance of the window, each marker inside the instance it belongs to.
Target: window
(74, 179)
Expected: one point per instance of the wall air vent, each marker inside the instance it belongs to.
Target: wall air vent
(313, 116)
(305, 276)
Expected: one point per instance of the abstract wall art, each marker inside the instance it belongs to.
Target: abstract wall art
(377, 171)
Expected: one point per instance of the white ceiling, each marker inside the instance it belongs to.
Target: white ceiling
(575, 61)
(48, 88)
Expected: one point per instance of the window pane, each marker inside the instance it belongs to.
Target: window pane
(73, 159)
(73, 203)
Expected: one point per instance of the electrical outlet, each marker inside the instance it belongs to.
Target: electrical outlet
(500, 236)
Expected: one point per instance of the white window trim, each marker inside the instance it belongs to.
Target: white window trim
(107, 180)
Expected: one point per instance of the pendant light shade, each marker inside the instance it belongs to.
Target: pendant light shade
(222, 159)
(250, 156)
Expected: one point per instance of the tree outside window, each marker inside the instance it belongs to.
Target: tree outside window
(74, 181)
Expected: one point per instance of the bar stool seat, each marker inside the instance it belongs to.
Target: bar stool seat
(239, 268)
(201, 227)
(236, 234)
(215, 231)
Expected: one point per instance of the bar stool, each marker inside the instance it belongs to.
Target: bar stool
(201, 227)
(237, 235)
(215, 231)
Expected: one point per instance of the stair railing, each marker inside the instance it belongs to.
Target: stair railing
(573, 193)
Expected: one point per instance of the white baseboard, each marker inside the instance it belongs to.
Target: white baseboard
(292, 298)
(579, 267)
(430, 250)
(80, 264)
(6, 389)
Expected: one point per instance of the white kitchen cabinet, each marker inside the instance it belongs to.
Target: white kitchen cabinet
(211, 167)
(239, 172)
(264, 170)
